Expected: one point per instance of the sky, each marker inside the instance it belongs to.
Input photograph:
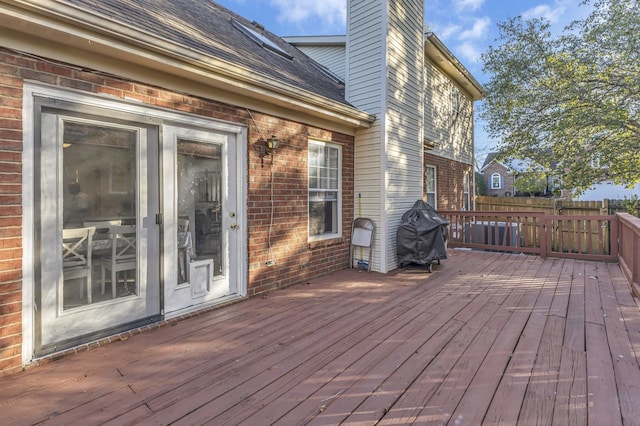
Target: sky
(466, 27)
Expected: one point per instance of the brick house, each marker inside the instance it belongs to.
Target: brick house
(161, 158)
(502, 178)
(499, 178)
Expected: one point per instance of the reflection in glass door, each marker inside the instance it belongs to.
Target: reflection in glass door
(199, 205)
(98, 189)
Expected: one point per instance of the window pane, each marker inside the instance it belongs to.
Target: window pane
(324, 181)
(323, 214)
(430, 179)
(495, 181)
(99, 175)
(199, 205)
(333, 156)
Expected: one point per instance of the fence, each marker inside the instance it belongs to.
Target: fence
(630, 250)
(552, 207)
(577, 236)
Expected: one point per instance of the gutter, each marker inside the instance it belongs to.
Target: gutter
(469, 83)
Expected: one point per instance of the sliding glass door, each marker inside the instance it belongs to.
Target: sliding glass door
(97, 238)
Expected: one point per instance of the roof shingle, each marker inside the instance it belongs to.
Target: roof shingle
(206, 27)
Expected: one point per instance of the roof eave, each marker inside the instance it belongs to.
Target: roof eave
(438, 53)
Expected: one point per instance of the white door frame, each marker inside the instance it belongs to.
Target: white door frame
(31, 90)
(179, 298)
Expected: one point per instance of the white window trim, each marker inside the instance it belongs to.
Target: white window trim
(338, 234)
(466, 190)
(435, 184)
(499, 181)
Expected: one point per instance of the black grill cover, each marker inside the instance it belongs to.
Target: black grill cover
(422, 235)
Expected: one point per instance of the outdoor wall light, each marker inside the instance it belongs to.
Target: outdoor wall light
(273, 143)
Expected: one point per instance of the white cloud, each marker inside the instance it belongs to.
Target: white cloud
(559, 13)
(467, 52)
(447, 32)
(327, 12)
(468, 5)
(552, 14)
(480, 29)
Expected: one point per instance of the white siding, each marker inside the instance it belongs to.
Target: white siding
(364, 89)
(451, 128)
(384, 76)
(332, 57)
(404, 114)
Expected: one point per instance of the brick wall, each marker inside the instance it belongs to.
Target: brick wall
(450, 181)
(295, 259)
(10, 213)
(284, 239)
(508, 181)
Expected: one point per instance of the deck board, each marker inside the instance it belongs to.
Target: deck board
(487, 338)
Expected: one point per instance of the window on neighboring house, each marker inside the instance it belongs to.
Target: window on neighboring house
(465, 195)
(430, 185)
(496, 181)
(595, 161)
(324, 190)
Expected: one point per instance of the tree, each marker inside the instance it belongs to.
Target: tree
(481, 185)
(569, 99)
(531, 183)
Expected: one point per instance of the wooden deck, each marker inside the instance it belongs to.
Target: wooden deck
(487, 338)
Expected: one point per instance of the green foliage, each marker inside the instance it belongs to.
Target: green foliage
(631, 205)
(565, 100)
(531, 183)
(481, 185)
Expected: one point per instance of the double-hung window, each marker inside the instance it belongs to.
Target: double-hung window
(430, 185)
(324, 190)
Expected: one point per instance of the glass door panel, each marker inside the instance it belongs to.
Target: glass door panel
(98, 187)
(199, 205)
(99, 173)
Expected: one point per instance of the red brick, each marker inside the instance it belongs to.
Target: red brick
(10, 319)
(10, 80)
(11, 264)
(10, 281)
(10, 365)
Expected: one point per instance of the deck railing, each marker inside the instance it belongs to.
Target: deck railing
(630, 250)
(578, 237)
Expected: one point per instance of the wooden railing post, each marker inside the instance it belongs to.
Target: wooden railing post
(544, 237)
(614, 236)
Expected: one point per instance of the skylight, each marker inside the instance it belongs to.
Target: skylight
(327, 72)
(260, 39)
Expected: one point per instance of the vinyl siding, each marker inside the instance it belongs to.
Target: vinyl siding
(384, 77)
(332, 57)
(452, 130)
(404, 115)
(365, 78)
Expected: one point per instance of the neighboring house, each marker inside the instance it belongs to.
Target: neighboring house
(517, 177)
(160, 157)
(446, 125)
(499, 178)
